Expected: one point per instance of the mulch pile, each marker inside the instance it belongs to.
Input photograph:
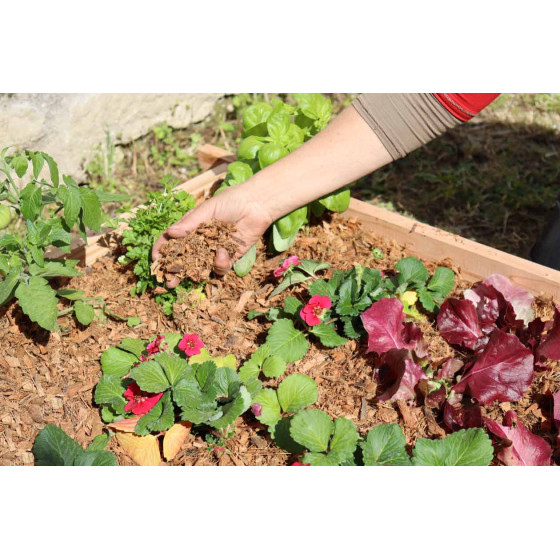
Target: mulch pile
(50, 378)
(191, 257)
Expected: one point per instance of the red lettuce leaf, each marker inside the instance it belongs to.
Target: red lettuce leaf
(457, 322)
(435, 398)
(526, 448)
(384, 323)
(489, 303)
(449, 369)
(459, 415)
(549, 348)
(520, 299)
(503, 371)
(399, 375)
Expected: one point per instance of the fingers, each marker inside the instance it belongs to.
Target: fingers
(222, 262)
(160, 242)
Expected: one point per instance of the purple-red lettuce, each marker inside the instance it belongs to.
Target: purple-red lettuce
(384, 323)
(503, 371)
(549, 348)
(525, 449)
(461, 413)
(398, 375)
(457, 322)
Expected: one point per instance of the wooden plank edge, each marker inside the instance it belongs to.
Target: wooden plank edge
(475, 260)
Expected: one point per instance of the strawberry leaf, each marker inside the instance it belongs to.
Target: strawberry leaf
(385, 445)
(296, 392)
(286, 341)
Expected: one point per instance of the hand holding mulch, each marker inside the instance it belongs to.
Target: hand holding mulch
(192, 257)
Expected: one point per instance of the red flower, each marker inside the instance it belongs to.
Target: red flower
(257, 409)
(140, 402)
(294, 260)
(155, 346)
(313, 311)
(191, 344)
(300, 465)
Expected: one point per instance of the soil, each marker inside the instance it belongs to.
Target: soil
(50, 378)
(191, 257)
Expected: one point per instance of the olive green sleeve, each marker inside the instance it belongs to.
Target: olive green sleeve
(404, 121)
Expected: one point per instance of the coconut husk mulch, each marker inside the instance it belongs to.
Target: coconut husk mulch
(50, 378)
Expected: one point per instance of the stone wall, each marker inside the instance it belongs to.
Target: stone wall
(69, 126)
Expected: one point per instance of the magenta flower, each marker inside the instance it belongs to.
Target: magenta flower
(294, 260)
(191, 344)
(140, 402)
(312, 313)
(257, 409)
(155, 346)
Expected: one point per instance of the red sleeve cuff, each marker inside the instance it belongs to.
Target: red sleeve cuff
(465, 106)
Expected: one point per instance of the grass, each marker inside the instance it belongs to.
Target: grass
(494, 179)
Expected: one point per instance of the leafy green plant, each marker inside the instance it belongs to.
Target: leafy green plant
(155, 385)
(163, 208)
(166, 151)
(270, 132)
(53, 448)
(48, 210)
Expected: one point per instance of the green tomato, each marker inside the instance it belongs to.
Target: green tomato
(5, 216)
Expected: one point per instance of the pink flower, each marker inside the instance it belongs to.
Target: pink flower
(155, 346)
(140, 402)
(257, 409)
(142, 358)
(294, 260)
(312, 313)
(300, 465)
(191, 344)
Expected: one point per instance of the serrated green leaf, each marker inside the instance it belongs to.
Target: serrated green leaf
(150, 377)
(470, 447)
(54, 269)
(291, 305)
(328, 336)
(322, 288)
(38, 301)
(110, 390)
(385, 445)
(31, 201)
(442, 281)
(426, 299)
(53, 169)
(411, 271)
(296, 392)
(8, 286)
(95, 459)
(274, 366)
(159, 419)
(312, 429)
(280, 433)
(286, 341)
(175, 368)
(99, 442)
(117, 362)
(270, 414)
(350, 329)
(19, 164)
(133, 345)
(91, 209)
(84, 312)
(72, 204)
(70, 294)
(233, 409)
(344, 440)
(53, 447)
(321, 459)
(38, 161)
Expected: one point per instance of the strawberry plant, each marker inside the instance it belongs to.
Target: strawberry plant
(162, 209)
(53, 448)
(148, 387)
(48, 209)
(271, 132)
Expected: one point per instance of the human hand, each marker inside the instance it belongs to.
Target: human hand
(232, 205)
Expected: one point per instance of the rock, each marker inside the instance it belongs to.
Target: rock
(69, 126)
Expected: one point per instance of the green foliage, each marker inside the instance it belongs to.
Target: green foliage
(385, 445)
(313, 429)
(47, 210)
(286, 341)
(163, 208)
(202, 391)
(470, 447)
(53, 448)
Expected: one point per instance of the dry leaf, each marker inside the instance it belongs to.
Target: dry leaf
(126, 425)
(174, 439)
(143, 450)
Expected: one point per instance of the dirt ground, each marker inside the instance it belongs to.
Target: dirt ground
(50, 378)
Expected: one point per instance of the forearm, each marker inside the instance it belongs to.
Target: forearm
(344, 151)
